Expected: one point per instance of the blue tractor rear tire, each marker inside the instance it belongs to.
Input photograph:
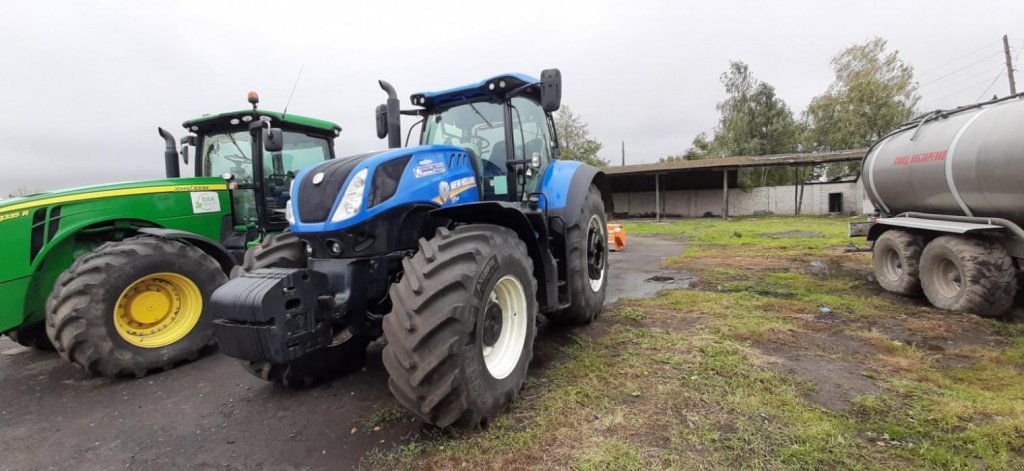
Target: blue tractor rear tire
(588, 246)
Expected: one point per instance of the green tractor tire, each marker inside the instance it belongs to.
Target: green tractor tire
(134, 306)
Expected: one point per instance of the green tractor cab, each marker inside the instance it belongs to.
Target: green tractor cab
(117, 277)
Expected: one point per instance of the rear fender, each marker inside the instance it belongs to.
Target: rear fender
(507, 215)
(565, 186)
(212, 248)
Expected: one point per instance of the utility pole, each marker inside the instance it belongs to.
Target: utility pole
(623, 153)
(1009, 65)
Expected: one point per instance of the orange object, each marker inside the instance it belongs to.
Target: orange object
(616, 237)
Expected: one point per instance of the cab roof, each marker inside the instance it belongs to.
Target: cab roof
(219, 121)
(488, 87)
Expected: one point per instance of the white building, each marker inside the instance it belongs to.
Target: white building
(701, 188)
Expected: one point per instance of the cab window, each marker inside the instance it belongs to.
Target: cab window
(480, 128)
(230, 153)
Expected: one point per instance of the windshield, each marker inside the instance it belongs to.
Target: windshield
(480, 128)
(231, 153)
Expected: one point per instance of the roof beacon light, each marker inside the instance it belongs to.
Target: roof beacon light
(254, 99)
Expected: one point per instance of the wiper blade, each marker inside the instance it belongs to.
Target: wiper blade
(233, 141)
(478, 113)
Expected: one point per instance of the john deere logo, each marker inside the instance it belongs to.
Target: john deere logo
(318, 178)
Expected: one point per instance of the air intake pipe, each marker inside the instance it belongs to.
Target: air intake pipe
(170, 155)
(394, 116)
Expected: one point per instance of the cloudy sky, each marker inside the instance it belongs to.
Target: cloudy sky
(84, 85)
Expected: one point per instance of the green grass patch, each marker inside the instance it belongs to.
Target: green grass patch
(680, 381)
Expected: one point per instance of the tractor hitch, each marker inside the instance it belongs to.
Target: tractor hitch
(273, 315)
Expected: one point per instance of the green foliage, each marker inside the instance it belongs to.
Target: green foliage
(754, 120)
(574, 139)
(873, 92)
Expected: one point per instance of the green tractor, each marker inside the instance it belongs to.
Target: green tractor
(117, 277)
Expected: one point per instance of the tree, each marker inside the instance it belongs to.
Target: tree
(574, 139)
(754, 120)
(873, 92)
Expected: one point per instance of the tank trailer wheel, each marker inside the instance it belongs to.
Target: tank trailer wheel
(587, 262)
(33, 336)
(896, 256)
(968, 275)
(461, 330)
(133, 306)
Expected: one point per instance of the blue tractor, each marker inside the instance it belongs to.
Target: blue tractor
(449, 250)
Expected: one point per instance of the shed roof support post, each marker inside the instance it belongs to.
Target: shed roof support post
(725, 194)
(657, 197)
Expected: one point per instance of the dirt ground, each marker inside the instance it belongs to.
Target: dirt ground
(213, 415)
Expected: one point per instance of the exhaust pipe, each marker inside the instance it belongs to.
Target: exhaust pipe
(393, 115)
(170, 155)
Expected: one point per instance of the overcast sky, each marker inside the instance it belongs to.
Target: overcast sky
(84, 85)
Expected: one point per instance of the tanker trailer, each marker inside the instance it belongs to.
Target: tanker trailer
(948, 188)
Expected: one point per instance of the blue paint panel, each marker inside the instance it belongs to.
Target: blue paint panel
(435, 175)
(556, 182)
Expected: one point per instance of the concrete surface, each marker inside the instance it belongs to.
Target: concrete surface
(211, 414)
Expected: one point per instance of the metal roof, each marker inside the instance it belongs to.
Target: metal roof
(725, 163)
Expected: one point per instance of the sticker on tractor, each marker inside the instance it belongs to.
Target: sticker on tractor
(427, 168)
(450, 191)
(12, 215)
(205, 202)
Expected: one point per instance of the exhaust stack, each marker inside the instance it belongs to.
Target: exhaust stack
(170, 155)
(394, 117)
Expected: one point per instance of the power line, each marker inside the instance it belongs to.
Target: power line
(949, 85)
(960, 90)
(998, 76)
(926, 72)
(961, 68)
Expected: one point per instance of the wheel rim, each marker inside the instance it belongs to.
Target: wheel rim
(597, 261)
(948, 279)
(504, 326)
(893, 265)
(158, 310)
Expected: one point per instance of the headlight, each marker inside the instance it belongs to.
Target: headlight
(352, 200)
(288, 212)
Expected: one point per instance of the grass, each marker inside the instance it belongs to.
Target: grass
(697, 378)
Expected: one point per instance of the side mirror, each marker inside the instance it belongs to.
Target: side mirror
(551, 90)
(382, 121)
(273, 140)
(185, 142)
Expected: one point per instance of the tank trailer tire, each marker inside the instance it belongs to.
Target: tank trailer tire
(896, 256)
(461, 330)
(968, 275)
(587, 263)
(32, 336)
(134, 306)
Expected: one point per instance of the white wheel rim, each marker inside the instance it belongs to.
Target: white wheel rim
(502, 357)
(597, 283)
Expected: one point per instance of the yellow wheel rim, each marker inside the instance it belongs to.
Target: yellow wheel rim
(158, 310)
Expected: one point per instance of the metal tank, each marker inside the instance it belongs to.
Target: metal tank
(967, 162)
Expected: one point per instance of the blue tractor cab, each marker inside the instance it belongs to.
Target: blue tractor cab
(449, 249)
